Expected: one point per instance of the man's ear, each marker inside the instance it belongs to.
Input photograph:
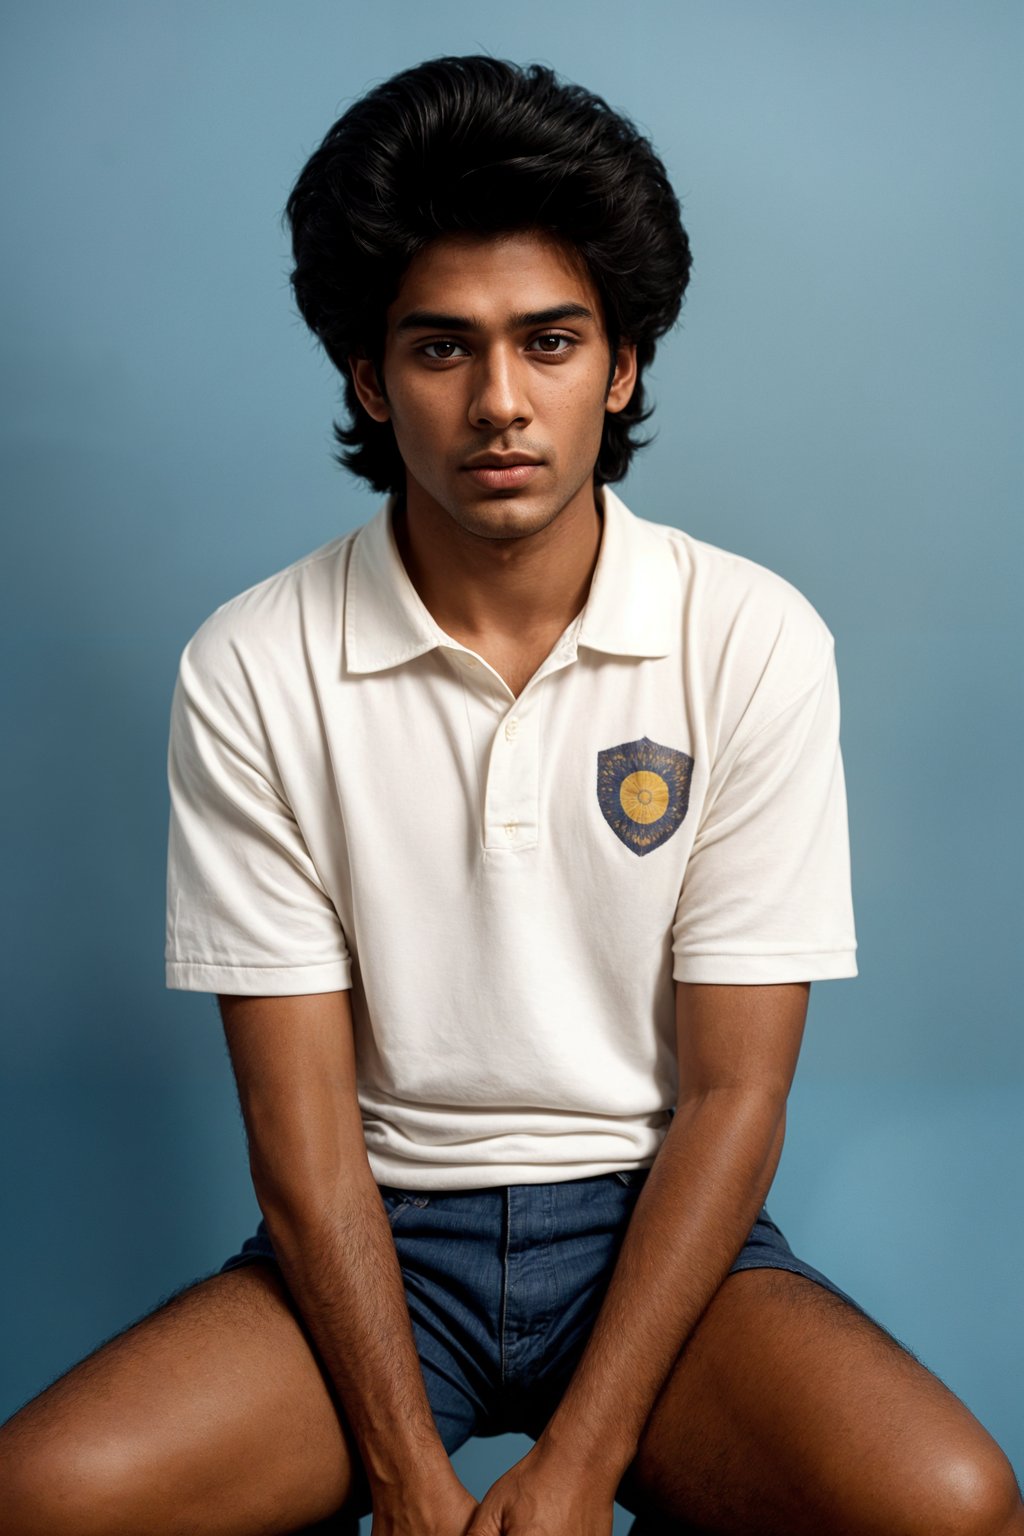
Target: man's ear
(623, 381)
(371, 397)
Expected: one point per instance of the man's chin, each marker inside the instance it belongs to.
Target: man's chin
(515, 513)
(506, 514)
(507, 518)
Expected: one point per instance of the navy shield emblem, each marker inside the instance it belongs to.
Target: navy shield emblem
(643, 790)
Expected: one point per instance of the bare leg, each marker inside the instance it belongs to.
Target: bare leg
(212, 1415)
(790, 1414)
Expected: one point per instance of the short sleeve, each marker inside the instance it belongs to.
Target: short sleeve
(766, 894)
(246, 910)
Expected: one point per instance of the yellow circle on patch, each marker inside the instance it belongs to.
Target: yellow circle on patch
(644, 796)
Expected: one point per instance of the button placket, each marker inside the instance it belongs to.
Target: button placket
(512, 792)
(511, 801)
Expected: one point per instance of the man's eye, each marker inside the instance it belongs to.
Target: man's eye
(553, 343)
(438, 351)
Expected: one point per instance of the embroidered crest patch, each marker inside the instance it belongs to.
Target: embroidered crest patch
(643, 790)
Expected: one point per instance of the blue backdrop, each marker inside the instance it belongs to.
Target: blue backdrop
(840, 403)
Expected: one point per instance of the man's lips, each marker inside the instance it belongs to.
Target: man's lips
(498, 474)
(503, 479)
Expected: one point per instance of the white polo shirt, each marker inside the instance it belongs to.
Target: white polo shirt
(508, 885)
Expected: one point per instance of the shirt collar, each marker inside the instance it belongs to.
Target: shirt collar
(386, 621)
(633, 607)
(635, 603)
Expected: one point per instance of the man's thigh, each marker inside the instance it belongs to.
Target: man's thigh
(211, 1415)
(790, 1412)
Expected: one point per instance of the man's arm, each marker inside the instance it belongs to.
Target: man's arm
(294, 1062)
(737, 1047)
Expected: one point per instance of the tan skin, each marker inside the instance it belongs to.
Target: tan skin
(502, 570)
(754, 1402)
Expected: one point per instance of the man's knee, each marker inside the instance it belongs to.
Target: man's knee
(51, 1482)
(977, 1495)
(965, 1487)
(974, 1494)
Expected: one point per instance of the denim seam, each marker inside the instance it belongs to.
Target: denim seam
(504, 1280)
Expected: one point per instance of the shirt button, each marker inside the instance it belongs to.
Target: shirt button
(511, 729)
(511, 830)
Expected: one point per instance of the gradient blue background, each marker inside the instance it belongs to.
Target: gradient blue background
(840, 403)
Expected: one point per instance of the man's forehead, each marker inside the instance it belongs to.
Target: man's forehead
(502, 276)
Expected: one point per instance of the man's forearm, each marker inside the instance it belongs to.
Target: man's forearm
(699, 1201)
(338, 1258)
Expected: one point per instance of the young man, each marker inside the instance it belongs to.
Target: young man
(510, 833)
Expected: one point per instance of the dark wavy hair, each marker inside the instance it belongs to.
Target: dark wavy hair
(480, 145)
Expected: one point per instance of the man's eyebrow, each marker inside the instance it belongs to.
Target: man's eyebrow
(552, 316)
(434, 320)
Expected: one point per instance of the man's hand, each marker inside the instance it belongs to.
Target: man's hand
(540, 1497)
(437, 1505)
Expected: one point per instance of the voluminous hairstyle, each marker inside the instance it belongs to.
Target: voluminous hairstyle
(481, 146)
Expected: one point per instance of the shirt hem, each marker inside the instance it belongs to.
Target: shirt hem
(259, 980)
(823, 965)
(420, 1178)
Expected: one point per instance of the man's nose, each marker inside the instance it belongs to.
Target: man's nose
(500, 397)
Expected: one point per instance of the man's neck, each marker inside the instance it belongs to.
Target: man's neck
(484, 591)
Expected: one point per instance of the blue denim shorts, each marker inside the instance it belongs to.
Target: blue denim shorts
(504, 1285)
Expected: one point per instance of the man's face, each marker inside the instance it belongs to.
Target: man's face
(496, 367)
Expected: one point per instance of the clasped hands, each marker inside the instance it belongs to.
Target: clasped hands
(538, 1496)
